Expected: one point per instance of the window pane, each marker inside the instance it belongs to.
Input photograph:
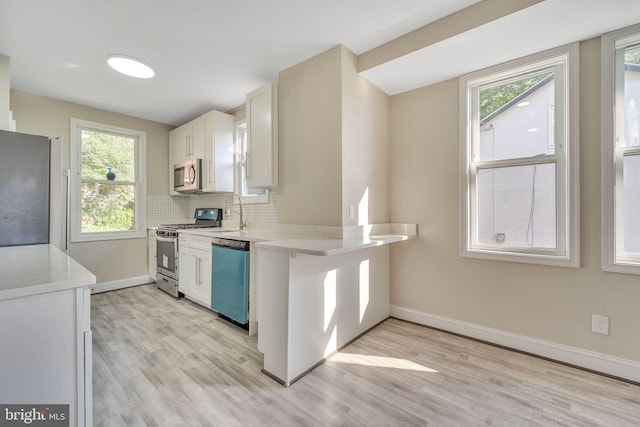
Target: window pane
(103, 150)
(242, 144)
(631, 167)
(107, 207)
(254, 191)
(632, 95)
(516, 118)
(517, 206)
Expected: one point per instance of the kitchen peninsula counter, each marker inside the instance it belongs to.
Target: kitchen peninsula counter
(313, 240)
(316, 295)
(315, 288)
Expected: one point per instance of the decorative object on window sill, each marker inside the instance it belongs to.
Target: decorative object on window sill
(110, 175)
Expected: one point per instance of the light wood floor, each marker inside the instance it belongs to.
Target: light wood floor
(162, 362)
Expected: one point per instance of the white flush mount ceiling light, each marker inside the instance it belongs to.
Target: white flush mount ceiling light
(130, 66)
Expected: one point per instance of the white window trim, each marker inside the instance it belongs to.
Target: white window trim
(569, 229)
(613, 259)
(75, 191)
(239, 176)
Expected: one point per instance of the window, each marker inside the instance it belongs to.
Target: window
(107, 182)
(520, 160)
(249, 195)
(621, 150)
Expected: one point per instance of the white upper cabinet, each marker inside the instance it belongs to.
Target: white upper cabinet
(218, 152)
(262, 137)
(210, 138)
(191, 140)
(174, 156)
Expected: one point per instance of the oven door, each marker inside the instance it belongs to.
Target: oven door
(167, 252)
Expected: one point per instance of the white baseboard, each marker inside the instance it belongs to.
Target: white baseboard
(120, 284)
(599, 362)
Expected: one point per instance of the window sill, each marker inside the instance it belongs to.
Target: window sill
(521, 257)
(622, 267)
(255, 200)
(96, 237)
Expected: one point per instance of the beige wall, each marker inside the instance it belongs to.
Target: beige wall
(365, 147)
(333, 143)
(5, 80)
(108, 260)
(428, 275)
(310, 131)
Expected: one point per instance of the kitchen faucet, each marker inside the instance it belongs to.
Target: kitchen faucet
(242, 224)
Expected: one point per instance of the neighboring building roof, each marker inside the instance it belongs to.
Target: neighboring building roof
(631, 67)
(517, 99)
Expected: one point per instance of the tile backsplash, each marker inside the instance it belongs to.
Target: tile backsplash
(161, 207)
(164, 207)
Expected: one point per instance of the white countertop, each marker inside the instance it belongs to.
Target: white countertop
(382, 234)
(38, 269)
(325, 247)
(250, 235)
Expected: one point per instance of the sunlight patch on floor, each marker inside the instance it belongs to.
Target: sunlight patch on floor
(378, 362)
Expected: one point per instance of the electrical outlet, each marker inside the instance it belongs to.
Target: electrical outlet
(600, 324)
(352, 211)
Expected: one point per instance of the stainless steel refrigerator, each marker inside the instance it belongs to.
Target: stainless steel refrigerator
(28, 200)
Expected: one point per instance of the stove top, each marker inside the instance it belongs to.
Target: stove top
(185, 226)
(205, 218)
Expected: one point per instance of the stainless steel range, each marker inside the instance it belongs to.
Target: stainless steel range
(167, 247)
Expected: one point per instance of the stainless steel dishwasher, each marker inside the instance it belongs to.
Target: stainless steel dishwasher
(230, 280)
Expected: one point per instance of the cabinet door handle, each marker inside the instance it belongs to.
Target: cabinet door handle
(198, 271)
(247, 167)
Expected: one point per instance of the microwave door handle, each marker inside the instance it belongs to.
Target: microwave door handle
(192, 174)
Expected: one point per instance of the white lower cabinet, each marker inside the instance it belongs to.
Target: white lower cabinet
(200, 266)
(152, 255)
(184, 276)
(46, 353)
(195, 268)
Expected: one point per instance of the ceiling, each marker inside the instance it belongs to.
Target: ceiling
(208, 53)
(543, 26)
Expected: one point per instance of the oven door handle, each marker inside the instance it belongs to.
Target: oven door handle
(166, 239)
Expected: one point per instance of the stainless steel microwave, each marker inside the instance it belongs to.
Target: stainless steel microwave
(187, 176)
